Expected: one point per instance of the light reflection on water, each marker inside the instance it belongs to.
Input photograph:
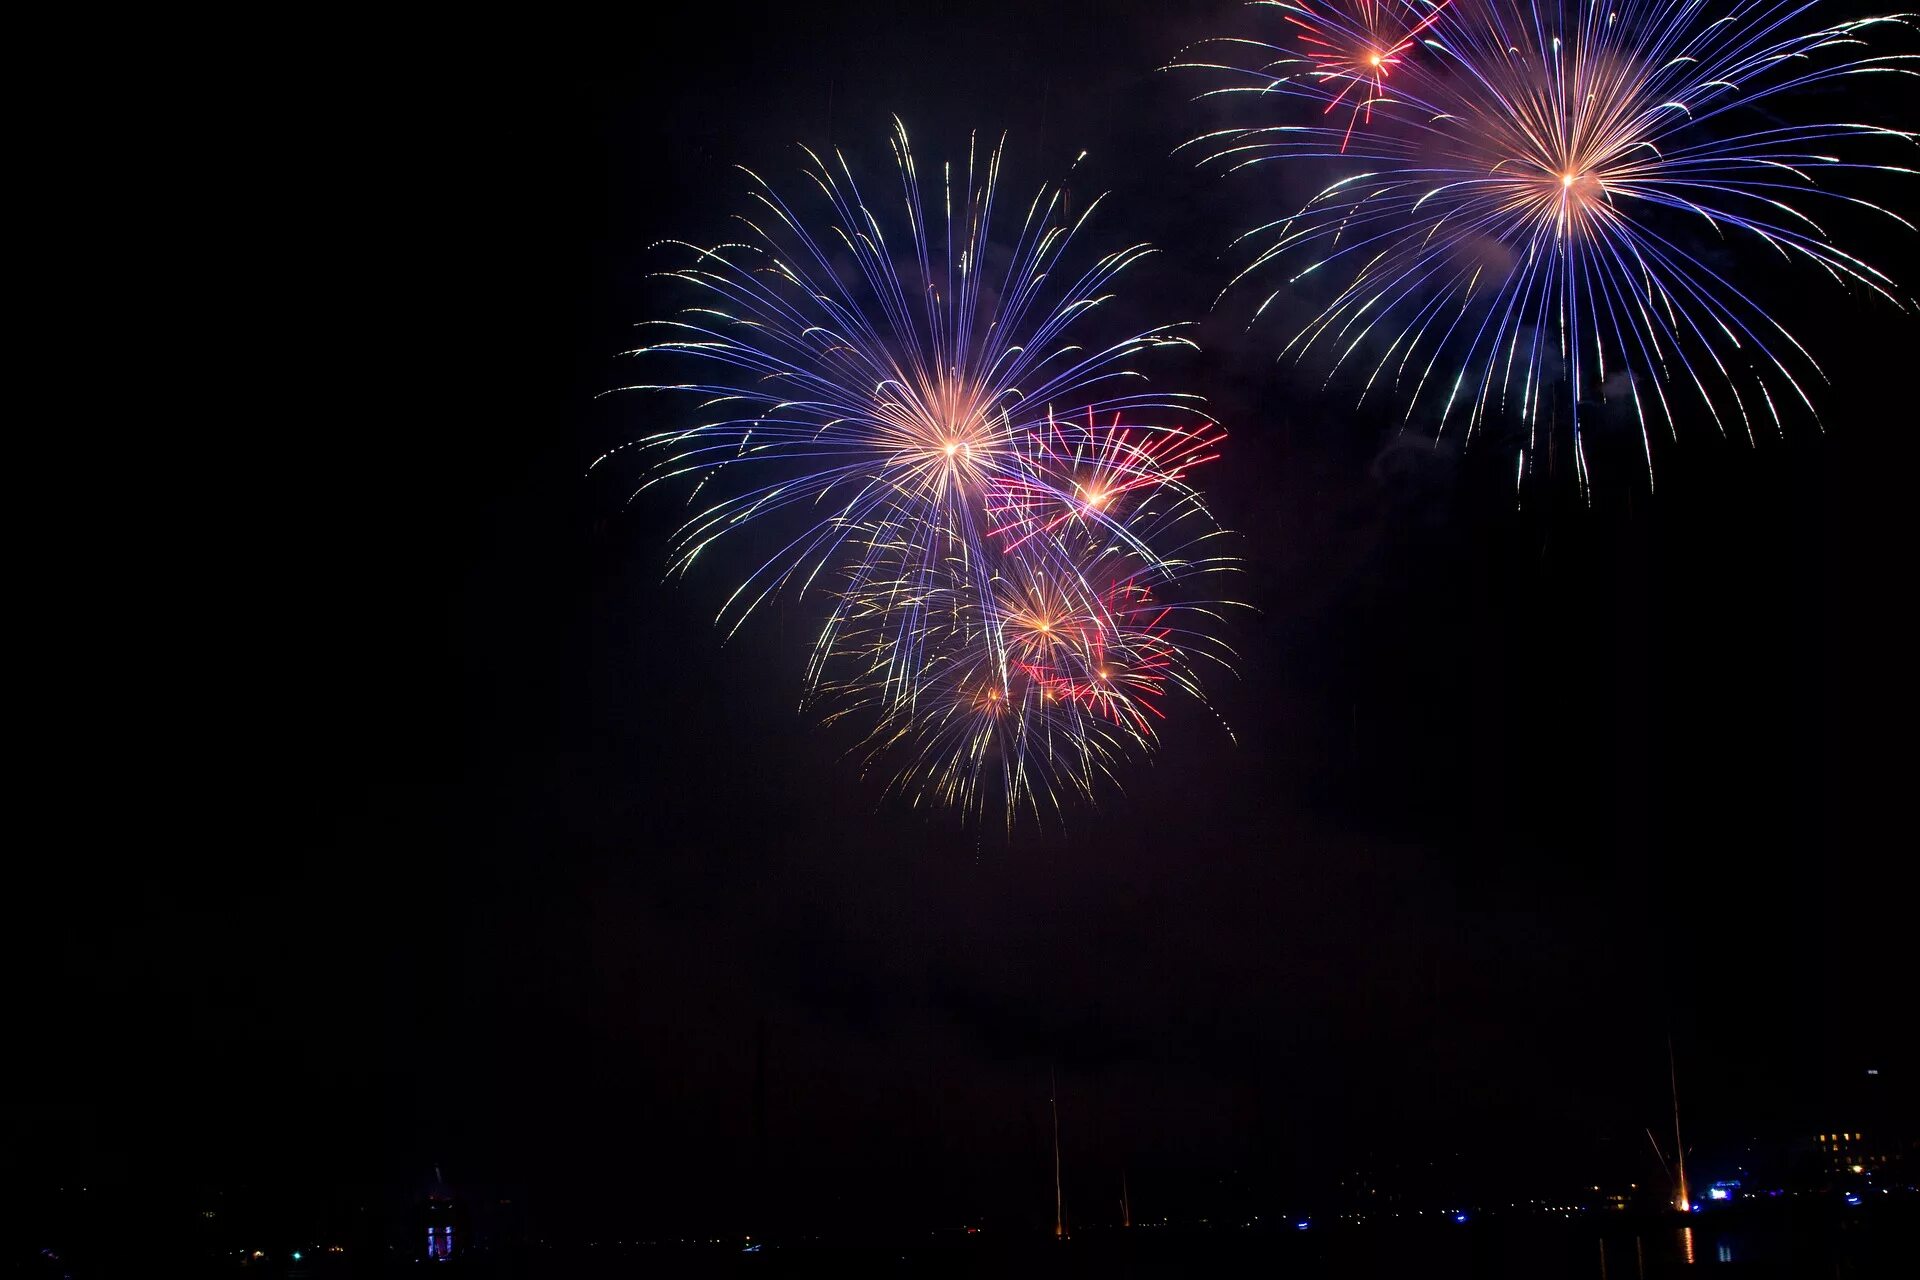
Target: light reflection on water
(1518, 1250)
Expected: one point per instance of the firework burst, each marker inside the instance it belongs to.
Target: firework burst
(1031, 695)
(1339, 53)
(879, 375)
(1535, 219)
(912, 417)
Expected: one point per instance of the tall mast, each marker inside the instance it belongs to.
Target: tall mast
(1059, 1202)
(1679, 1148)
(1126, 1205)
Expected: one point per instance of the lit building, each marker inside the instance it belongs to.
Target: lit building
(439, 1219)
(1849, 1152)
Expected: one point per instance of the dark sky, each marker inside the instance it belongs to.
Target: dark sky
(401, 815)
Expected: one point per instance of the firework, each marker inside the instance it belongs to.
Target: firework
(1340, 55)
(1031, 695)
(880, 374)
(1536, 216)
(1085, 476)
(1028, 688)
(919, 426)
(983, 726)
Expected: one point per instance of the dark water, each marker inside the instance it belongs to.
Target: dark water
(1498, 1254)
(1828, 1246)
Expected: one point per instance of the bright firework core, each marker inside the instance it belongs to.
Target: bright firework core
(1039, 630)
(1579, 188)
(959, 449)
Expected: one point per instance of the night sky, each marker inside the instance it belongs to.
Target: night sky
(399, 814)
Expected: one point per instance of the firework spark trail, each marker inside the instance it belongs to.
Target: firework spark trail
(1071, 474)
(1346, 50)
(1530, 203)
(916, 423)
(1354, 46)
(1033, 694)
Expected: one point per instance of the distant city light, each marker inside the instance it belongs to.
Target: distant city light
(296, 1255)
(1460, 1217)
(1302, 1225)
(1716, 1193)
(1853, 1197)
